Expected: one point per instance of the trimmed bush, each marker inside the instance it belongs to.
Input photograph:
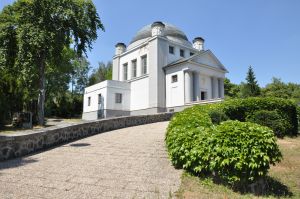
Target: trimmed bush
(243, 151)
(270, 119)
(240, 109)
(235, 152)
(184, 133)
(217, 116)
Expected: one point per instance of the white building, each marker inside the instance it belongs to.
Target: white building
(159, 71)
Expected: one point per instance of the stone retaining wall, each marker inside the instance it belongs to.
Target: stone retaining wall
(20, 145)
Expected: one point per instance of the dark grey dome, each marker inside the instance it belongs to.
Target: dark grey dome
(170, 30)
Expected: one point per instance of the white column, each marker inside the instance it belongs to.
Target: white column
(212, 87)
(215, 87)
(197, 86)
(188, 86)
(222, 87)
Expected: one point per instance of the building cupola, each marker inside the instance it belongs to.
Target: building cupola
(198, 43)
(157, 28)
(120, 48)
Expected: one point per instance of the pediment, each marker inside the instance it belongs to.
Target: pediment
(209, 59)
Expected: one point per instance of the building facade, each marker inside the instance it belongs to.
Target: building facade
(159, 71)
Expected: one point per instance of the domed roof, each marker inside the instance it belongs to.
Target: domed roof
(170, 31)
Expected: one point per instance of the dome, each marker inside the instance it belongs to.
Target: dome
(170, 31)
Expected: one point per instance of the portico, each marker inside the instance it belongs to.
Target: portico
(193, 91)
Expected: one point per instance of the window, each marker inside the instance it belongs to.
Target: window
(133, 65)
(144, 64)
(118, 98)
(89, 101)
(171, 49)
(181, 53)
(125, 74)
(99, 98)
(174, 78)
(191, 54)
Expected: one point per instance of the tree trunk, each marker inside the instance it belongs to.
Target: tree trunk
(41, 98)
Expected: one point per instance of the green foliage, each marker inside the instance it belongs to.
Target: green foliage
(34, 34)
(217, 116)
(251, 87)
(271, 119)
(65, 105)
(231, 90)
(279, 89)
(103, 72)
(243, 151)
(79, 75)
(235, 152)
(240, 109)
(186, 131)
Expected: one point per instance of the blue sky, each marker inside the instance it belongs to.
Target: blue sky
(264, 34)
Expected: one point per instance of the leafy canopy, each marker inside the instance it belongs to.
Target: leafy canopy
(30, 27)
(34, 35)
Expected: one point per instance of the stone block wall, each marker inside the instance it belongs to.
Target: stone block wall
(20, 145)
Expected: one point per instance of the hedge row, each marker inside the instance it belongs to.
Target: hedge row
(247, 109)
(201, 140)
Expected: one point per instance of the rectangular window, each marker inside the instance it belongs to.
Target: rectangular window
(171, 49)
(133, 65)
(144, 64)
(99, 98)
(125, 73)
(174, 78)
(89, 101)
(118, 98)
(191, 54)
(181, 53)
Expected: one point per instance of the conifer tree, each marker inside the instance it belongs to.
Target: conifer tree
(251, 87)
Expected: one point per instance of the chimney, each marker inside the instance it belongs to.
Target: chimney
(157, 28)
(120, 48)
(198, 43)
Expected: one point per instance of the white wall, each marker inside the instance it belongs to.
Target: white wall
(93, 92)
(176, 56)
(108, 89)
(128, 57)
(175, 91)
(114, 87)
(139, 94)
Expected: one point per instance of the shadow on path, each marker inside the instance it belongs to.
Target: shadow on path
(80, 144)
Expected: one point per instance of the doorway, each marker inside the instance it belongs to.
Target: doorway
(203, 95)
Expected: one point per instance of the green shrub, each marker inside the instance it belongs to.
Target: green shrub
(217, 116)
(270, 119)
(236, 152)
(240, 109)
(243, 151)
(185, 132)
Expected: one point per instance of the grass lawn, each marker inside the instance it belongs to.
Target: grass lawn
(285, 175)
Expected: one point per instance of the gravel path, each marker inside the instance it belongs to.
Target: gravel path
(125, 163)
